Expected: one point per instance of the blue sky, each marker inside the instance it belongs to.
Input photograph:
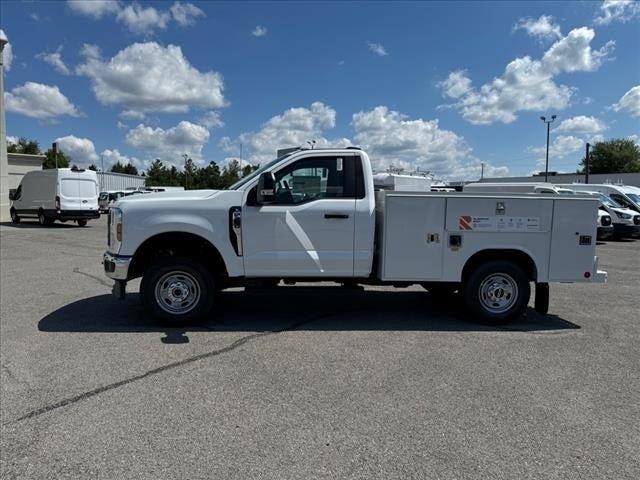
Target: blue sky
(439, 86)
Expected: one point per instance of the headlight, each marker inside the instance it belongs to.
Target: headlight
(625, 216)
(115, 230)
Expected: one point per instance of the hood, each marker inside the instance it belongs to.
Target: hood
(175, 195)
(628, 211)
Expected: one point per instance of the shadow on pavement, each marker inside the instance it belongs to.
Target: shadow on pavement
(34, 224)
(309, 308)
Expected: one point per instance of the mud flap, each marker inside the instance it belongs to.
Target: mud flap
(542, 298)
(119, 289)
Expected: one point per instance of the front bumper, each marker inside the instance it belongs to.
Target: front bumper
(627, 230)
(605, 232)
(116, 266)
(76, 214)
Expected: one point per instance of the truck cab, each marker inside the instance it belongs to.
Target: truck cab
(315, 215)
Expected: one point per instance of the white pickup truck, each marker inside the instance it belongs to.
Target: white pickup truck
(315, 215)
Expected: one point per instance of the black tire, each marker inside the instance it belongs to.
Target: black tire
(188, 278)
(43, 220)
(541, 302)
(82, 223)
(502, 307)
(14, 216)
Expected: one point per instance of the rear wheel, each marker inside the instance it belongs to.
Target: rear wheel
(43, 220)
(177, 290)
(497, 292)
(82, 223)
(14, 216)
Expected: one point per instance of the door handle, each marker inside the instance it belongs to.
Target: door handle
(336, 215)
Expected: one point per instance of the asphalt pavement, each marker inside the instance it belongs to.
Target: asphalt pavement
(309, 382)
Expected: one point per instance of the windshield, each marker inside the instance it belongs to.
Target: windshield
(256, 173)
(635, 197)
(608, 201)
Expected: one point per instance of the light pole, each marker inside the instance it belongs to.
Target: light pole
(546, 165)
(4, 161)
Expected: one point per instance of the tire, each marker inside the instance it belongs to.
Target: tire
(497, 292)
(177, 291)
(82, 223)
(43, 220)
(14, 216)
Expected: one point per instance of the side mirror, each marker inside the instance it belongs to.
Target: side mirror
(12, 194)
(266, 188)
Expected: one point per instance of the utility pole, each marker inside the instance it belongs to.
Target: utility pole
(101, 172)
(546, 167)
(586, 164)
(54, 148)
(482, 171)
(186, 173)
(241, 159)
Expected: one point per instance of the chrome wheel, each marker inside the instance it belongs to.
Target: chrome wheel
(498, 293)
(177, 292)
(42, 220)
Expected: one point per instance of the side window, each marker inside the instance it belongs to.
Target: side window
(311, 179)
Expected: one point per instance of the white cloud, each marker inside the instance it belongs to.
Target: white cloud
(121, 126)
(259, 31)
(139, 19)
(95, 9)
(292, 128)
(169, 145)
(526, 84)
(582, 124)
(392, 138)
(456, 85)
(41, 101)
(543, 28)
(185, 14)
(11, 140)
(111, 157)
(7, 53)
(378, 49)
(211, 119)
(147, 77)
(629, 103)
(561, 146)
(617, 11)
(55, 60)
(79, 151)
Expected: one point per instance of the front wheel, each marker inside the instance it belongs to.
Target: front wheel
(497, 292)
(177, 290)
(14, 216)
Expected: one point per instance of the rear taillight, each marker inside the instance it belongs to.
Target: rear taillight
(57, 203)
(119, 232)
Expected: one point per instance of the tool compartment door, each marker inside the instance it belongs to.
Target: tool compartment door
(414, 230)
(573, 242)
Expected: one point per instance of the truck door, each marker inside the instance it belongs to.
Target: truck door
(309, 230)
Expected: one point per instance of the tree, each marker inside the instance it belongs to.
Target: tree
(24, 145)
(127, 168)
(50, 160)
(619, 155)
(93, 167)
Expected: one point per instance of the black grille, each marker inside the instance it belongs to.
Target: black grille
(636, 220)
(605, 220)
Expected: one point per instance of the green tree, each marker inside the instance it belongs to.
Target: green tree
(50, 160)
(93, 167)
(619, 155)
(190, 175)
(24, 145)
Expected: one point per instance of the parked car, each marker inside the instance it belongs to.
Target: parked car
(106, 199)
(65, 194)
(314, 215)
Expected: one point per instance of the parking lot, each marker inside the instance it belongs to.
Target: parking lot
(301, 382)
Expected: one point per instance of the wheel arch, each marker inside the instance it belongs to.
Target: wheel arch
(514, 255)
(178, 243)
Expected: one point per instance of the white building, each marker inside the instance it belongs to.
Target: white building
(119, 181)
(21, 163)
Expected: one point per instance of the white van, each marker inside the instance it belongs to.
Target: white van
(512, 187)
(628, 197)
(56, 194)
